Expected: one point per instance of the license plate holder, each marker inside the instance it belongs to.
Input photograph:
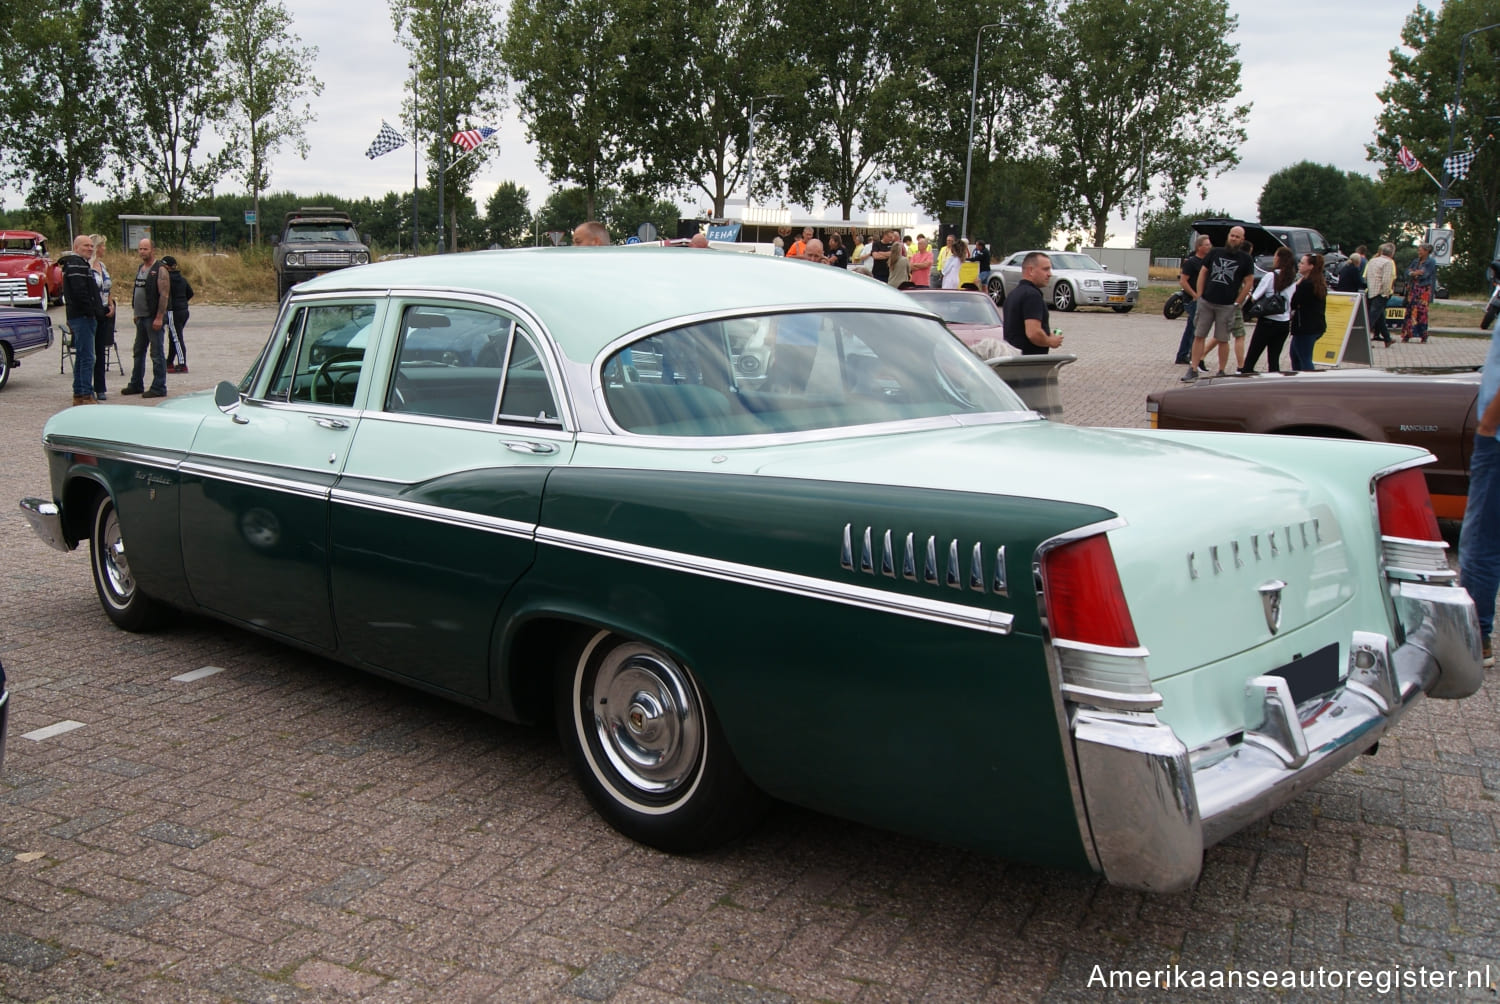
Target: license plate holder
(1311, 676)
(1116, 299)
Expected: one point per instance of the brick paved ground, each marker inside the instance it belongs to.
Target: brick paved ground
(289, 830)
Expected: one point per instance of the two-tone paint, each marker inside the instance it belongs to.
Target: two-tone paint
(859, 607)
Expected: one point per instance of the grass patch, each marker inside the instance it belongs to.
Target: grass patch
(247, 276)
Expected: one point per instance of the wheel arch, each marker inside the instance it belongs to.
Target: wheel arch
(81, 493)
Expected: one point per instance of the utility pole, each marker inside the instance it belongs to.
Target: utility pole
(442, 129)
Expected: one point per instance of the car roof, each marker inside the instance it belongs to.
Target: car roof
(10, 235)
(588, 297)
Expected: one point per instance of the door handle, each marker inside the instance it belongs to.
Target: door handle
(329, 423)
(529, 446)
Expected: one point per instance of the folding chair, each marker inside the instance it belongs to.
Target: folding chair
(68, 351)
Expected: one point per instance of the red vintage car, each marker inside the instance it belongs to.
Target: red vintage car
(28, 277)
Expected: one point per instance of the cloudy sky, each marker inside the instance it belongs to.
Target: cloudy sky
(1311, 70)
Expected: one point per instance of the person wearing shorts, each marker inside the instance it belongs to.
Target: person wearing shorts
(1223, 283)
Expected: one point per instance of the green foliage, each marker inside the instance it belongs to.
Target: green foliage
(582, 67)
(167, 94)
(1424, 75)
(53, 138)
(621, 213)
(1143, 93)
(1166, 231)
(1344, 206)
(708, 62)
(507, 216)
(262, 71)
(460, 83)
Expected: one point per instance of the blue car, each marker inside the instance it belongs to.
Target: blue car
(22, 332)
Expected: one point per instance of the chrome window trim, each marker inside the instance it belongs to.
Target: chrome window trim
(435, 514)
(957, 615)
(505, 426)
(551, 356)
(637, 440)
(601, 405)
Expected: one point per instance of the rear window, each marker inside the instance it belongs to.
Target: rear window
(797, 372)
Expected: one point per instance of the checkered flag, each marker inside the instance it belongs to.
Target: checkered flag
(386, 140)
(1458, 165)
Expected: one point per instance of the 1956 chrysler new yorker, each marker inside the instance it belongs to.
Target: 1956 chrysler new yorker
(861, 576)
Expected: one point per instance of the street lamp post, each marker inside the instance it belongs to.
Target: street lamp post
(1458, 95)
(750, 151)
(973, 100)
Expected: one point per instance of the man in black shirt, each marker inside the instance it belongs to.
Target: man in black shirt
(880, 254)
(1223, 283)
(1187, 281)
(981, 254)
(1025, 314)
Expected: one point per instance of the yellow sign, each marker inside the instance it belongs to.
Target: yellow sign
(968, 272)
(1328, 350)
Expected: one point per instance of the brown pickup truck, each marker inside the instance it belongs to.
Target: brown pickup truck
(1430, 408)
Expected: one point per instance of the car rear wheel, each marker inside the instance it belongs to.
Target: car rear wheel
(1062, 297)
(648, 750)
(996, 289)
(121, 597)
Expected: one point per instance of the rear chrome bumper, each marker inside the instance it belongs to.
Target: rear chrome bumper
(46, 519)
(1152, 806)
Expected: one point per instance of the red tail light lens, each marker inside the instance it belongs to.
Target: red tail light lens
(1405, 507)
(1084, 598)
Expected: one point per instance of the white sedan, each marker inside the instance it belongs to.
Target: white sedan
(1077, 281)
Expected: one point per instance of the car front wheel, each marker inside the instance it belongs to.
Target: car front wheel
(5, 365)
(647, 749)
(1062, 297)
(119, 594)
(996, 288)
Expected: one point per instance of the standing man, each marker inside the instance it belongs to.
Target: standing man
(1223, 283)
(148, 303)
(879, 255)
(1380, 276)
(982, 256)
(591, 234)
(1479, 540)
(1025, 315)
(85, 312)
(1187, 279)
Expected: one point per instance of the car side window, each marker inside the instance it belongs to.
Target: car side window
(468, 364)
(323, 354)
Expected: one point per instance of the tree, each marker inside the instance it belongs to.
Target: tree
(1166, 231)
(1143, 93)
(56, 117)
(507, 216)
(841, 132)
(1012, 198)
(1424, 74)
(1344, 207)
(581, 68)
(461, 80)
(262, 69)
(710, 64)
(168, 94)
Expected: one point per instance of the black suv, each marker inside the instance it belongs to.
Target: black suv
(314, 240)
(1264, 239)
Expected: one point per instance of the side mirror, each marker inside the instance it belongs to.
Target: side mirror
(227, 398)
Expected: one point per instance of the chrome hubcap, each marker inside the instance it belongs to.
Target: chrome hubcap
(646, 718)
(115, 566)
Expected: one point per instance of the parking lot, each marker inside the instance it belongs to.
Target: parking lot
(233, 819)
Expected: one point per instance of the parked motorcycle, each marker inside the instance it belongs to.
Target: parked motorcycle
(1175, 306)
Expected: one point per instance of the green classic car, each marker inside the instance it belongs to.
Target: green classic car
(859, 576)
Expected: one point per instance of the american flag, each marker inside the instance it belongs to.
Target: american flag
(1408, 160)
(1458, 165)
(386, 140)
(471, 138)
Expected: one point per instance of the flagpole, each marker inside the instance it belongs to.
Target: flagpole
(415, 111)
(1458, 96)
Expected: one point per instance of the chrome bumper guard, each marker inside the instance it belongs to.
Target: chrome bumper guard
(46, 519)
(1153, 807)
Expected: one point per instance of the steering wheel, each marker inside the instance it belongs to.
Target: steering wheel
(323, 372)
